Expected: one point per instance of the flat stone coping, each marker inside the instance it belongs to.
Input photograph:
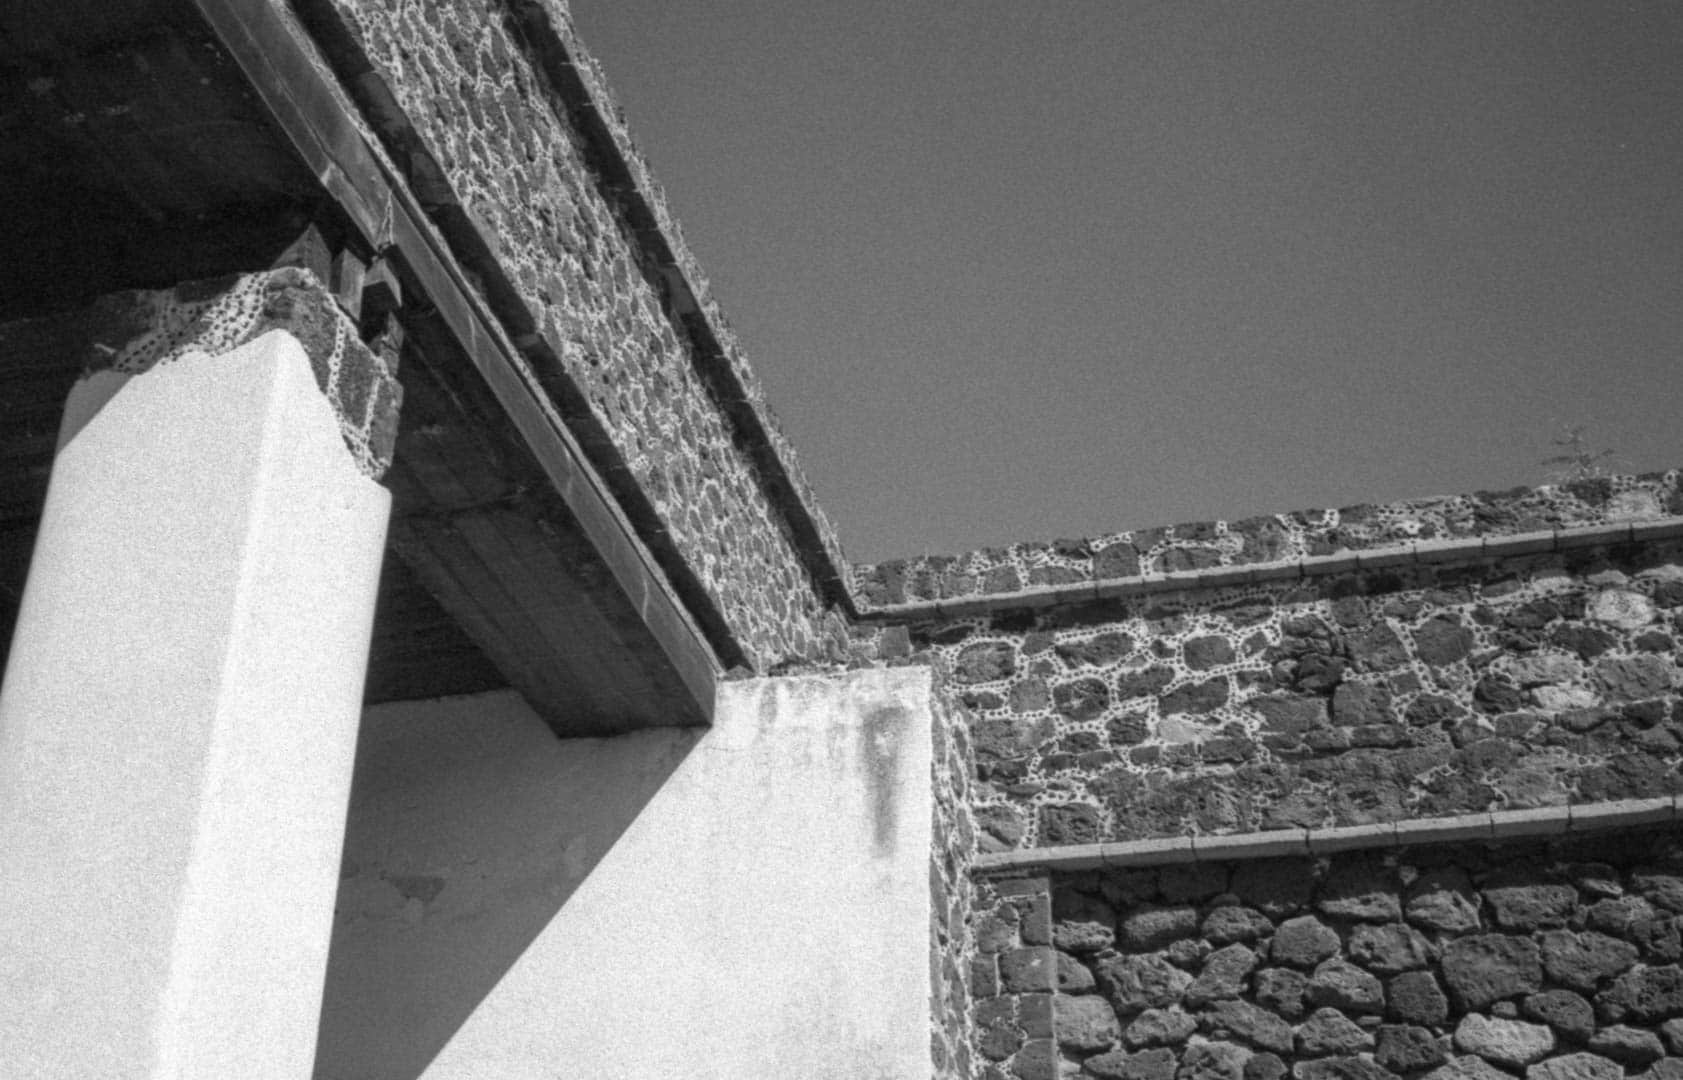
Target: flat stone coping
(1283, 843)
(1391, 556)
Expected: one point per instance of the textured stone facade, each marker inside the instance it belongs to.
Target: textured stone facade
(1538, 672)
(494, 141)
(1542, 960)
(1013, 975)
(952, 854)
(1266, 542)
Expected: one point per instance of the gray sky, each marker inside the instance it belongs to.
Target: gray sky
(1015, 271)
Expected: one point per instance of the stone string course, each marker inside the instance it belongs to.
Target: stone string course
(132, 332)
(508, 152)
(1390, 690)
(1556, 961)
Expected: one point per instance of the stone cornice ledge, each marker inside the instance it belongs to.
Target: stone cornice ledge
(1421, 552)
(1284, 843)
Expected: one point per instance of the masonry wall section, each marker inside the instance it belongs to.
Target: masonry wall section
(1398, 682)
(952, 854)
(1553, 960)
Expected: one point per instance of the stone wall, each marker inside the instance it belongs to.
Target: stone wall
(593, 282)
(1421, 679)
(1260, 543)
(1013, 975)
(952, 853)
(1552, 961)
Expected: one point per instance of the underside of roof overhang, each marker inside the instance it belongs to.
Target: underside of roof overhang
(150, 142)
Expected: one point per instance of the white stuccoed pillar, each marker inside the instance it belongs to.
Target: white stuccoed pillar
(178, 723)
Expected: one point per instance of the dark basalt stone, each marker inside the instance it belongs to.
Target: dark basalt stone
(1485, 968)
(985, 662)
(1408, 1049)
(1645, 996)
(1100, 651)
(1568, 1013)
(1442, 640)
(1197, 698)
(1249, 1023)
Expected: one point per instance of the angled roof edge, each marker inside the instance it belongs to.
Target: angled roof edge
(627, 181)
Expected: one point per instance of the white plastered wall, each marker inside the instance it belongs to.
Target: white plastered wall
(750, 900)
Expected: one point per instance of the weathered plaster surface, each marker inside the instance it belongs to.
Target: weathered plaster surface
(754, 900)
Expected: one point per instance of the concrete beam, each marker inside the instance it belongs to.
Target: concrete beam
(178, 722)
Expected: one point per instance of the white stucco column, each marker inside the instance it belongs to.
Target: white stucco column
(178, 723)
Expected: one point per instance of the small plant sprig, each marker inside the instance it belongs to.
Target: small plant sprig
(1577, 461)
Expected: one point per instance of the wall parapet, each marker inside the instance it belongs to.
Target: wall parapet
(1298, 544)
(1464, 550)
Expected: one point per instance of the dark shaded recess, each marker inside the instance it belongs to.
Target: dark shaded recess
(141, 157)
(34, 379)
(453, 990)
(483, 529)
(134, 156)
(418, 651)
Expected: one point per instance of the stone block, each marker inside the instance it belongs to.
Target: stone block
(1303, 942)
(1328, 1032)
(1342, 985)
(1248, 1023)
(1085, 1024)
(1568, 1013)
(1149, 928)
(1513, 1043)
(1581, 1066)
(1406, 1049)
(1159, 1027)
(1580, 961)
(1027, 970)
(1485, 968)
